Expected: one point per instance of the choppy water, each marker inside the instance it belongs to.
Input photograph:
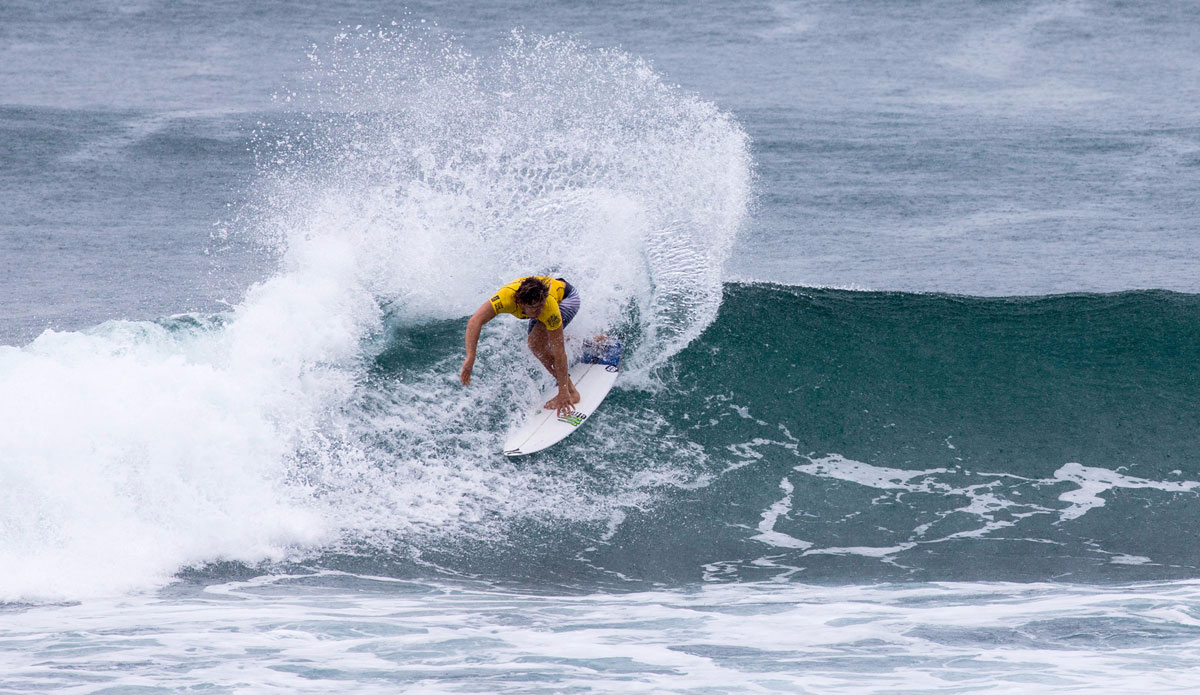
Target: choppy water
(240, 461)
(373, 635)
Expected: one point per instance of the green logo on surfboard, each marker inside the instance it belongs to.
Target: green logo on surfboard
(573, 418)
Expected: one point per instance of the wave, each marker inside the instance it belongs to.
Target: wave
(762, 431)
(832, 435)
(420, 179)
(823, 435)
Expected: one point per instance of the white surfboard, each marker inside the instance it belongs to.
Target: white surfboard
(593, 376)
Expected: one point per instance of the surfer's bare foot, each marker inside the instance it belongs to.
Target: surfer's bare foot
(561, 403)
(575, 397)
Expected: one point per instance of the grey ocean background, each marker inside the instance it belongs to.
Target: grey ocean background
(977, 148)
(909, 291)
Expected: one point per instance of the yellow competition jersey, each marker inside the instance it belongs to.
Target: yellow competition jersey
(505, 301)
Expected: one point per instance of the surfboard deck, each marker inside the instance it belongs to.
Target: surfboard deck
(593, 376)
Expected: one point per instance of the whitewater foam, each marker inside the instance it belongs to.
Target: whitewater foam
(970, 510)
(321, 632)
(1093, 481)
(124, 460)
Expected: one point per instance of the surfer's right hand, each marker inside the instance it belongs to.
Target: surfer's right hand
(465, 374)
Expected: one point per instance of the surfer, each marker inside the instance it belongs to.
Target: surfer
(548, 304)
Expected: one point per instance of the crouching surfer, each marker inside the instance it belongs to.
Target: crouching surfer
(548, 304)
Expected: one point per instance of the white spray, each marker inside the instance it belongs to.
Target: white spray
(426, 178)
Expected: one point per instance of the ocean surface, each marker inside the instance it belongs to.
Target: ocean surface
(909, 293)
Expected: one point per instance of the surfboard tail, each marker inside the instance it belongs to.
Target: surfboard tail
(602, 350)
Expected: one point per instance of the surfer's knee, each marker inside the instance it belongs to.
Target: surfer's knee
(537, 340)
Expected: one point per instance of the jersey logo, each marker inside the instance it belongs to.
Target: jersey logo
(553, 322)
(497, 304)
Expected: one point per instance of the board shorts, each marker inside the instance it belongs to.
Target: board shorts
(568, 306)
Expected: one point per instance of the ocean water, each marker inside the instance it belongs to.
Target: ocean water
(909, 294)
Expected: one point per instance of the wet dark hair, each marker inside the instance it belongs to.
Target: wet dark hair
(532, 292)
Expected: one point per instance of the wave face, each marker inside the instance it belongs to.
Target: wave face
(837, 436)
(889, 435)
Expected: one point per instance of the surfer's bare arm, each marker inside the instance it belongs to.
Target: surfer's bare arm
(482, 315)
(567, 395)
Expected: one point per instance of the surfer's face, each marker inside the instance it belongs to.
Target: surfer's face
(532, 310)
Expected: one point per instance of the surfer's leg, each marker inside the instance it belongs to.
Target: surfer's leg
(568, 307)
(539, 345)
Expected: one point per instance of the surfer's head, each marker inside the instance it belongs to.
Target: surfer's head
(531, 295)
